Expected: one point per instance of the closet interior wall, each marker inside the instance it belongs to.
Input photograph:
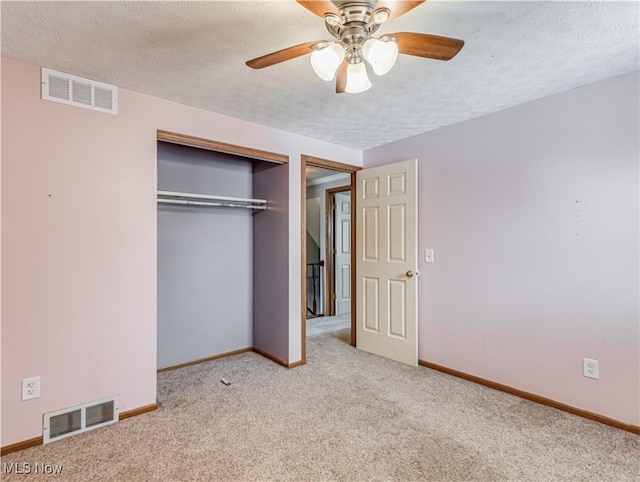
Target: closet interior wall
(271, 261)
(206, 270)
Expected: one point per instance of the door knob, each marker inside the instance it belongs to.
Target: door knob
(409, 274)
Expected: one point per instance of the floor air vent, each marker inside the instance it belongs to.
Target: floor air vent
(72, 90)
(81, 418)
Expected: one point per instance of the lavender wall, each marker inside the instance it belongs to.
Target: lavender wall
(79, 242)
(533, 215)
(271, 261)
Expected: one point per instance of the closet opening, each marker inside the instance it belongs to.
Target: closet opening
(328, 249)
(222, 240)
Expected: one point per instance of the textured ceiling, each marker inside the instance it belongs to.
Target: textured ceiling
(194, 53)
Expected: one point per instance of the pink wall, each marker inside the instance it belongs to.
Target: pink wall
(79, 242)
(533, 215)
(0, 251)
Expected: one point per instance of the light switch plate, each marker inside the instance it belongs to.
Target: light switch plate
(429, 256)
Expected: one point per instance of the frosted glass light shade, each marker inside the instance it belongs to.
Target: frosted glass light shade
(381, 54)
(357, 79)
(325, 61)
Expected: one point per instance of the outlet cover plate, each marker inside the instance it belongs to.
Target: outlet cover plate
(591, 368)
(30, 388)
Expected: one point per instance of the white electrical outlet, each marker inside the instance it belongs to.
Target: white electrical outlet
(30, 388)
(591, 368)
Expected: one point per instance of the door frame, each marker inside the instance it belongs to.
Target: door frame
(305, 161)
(329, 260)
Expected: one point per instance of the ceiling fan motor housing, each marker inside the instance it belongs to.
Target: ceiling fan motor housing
(356, 10)
(355, 27)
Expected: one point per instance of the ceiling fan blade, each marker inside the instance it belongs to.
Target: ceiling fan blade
(319, 7)
(281, 55)
(341, 78)
(398, 7)
(429, 46)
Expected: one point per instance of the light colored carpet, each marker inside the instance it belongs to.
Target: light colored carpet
(329, 325)
(346, 415)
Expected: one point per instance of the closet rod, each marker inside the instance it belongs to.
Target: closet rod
(210, 203)
(170, 197)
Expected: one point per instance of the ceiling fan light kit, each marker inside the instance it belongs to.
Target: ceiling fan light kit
(357, 79)
(381, 53)
(325, 59)
(352, 24)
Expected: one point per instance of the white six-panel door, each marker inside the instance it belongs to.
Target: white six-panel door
(387, 261)
(343, 253)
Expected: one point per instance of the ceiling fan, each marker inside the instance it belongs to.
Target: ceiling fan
(352, 24)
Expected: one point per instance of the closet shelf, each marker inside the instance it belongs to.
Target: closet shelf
(189, 199)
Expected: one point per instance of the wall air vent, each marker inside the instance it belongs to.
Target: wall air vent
(73, 90)
(81, 418)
